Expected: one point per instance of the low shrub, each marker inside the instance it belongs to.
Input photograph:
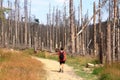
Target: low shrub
(98, 70)
(105, 77)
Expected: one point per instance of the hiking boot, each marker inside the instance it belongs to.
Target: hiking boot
(60, 70)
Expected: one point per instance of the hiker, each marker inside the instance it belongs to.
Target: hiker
(62, 59)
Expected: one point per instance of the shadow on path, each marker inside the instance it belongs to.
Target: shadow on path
(55, 71)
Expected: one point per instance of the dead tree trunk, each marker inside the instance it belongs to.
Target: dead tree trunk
(72, 41)
(118, 33)
(56, 29)
(78, 27)
(65, 25)
(100, 38)
(59, 26)
(26, 21)
(94, 21)
(47, 32)
(2, 24)
(16, 23)
(9, 26)
(108, 52)
(50, 29)
(114, 31)
(30, 45)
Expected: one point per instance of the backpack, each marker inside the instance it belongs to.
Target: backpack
(61, 56)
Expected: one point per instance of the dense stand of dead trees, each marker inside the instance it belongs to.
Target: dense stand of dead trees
(76, 35)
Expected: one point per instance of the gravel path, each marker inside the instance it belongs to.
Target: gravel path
(52, 68)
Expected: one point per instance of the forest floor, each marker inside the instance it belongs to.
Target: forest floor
(52, 68)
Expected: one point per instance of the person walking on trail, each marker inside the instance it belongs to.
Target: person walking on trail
(62, 59)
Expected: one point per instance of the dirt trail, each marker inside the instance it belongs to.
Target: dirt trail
(52, 68)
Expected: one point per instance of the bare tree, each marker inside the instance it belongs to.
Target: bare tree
(108, 54)
(72, 45)
(56, 24)
(16, 22)
(65, 25)
(114, 31)
(2, 23)
(118, 31)
(52, 30)
(26, 21)
(81, 15)
(94, 21)
(29, 24)
(101, 37)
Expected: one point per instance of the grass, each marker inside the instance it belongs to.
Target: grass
(110, 72)
(79, 63)
(16, 65)
(98, 70)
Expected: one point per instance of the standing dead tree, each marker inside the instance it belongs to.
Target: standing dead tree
(16, 22)
(26, 22)
(72, 45)
(114, 30)
(108, 54)
(94, 21)
(2, 23)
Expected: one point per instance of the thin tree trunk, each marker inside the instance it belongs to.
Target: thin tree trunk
(118, 44)
(9, 26)
(59, 21)
(50, 29)
(26, 21)
(118, 33)
(94, 21)
(52, 33)
(47, 40)
(2, 23)
(16, 23)
(65, 27)
(30, 25)
(100, 39)
(78, 26)
(56, 37)
(81, 15)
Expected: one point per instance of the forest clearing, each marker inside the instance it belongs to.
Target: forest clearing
(91, 41)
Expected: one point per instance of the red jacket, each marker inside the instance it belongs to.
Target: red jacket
(64, 53)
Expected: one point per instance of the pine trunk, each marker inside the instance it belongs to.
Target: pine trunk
(108, 52)
(114, 31)
(94, 21)
(72, 41)
(26, 21)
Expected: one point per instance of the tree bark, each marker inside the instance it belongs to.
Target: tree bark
(72, 30)
(94, 21)
(108, 52)
(26, 21)
(114, 31)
